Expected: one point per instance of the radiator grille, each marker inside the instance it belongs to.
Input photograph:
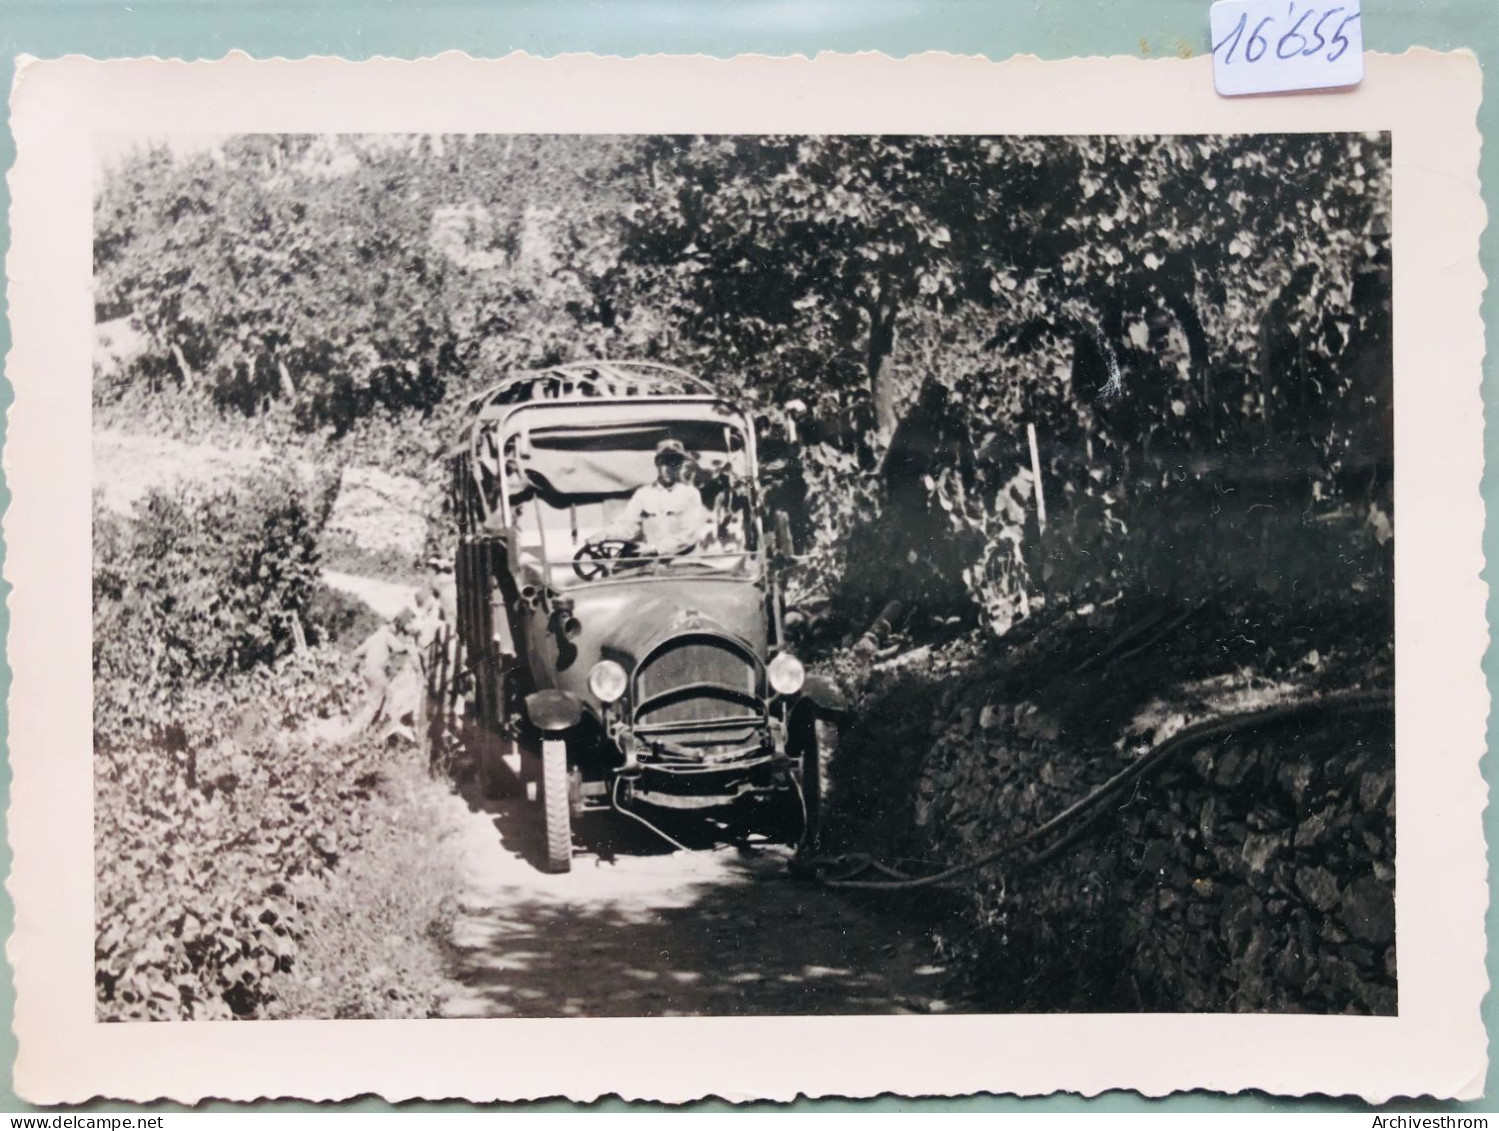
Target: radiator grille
(697, 660)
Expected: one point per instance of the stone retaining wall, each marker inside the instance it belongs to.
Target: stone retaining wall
(1251, 875)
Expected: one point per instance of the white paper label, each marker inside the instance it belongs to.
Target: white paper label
(1264, 46)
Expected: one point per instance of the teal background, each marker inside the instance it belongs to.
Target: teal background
(998, 28)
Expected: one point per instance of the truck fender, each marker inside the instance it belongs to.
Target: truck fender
(554, 711)
(822, 693)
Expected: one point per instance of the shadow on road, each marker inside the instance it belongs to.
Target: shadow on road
(604, 837)
(641, 929)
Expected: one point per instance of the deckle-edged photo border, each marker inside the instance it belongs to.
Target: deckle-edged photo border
(1427, 102)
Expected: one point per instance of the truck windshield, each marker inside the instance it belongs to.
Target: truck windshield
(595, 504)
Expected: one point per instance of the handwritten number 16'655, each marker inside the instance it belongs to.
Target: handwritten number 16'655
(1311, 31)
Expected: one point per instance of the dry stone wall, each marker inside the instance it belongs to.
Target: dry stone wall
(1254, 874)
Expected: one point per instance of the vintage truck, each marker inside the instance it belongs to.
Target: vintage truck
(607, 671)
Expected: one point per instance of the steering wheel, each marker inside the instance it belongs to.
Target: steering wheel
(593, 561)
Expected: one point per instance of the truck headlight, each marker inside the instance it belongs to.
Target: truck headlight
(607, 681)
(786, 674)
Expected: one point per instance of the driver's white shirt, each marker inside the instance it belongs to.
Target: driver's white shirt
(665, 518)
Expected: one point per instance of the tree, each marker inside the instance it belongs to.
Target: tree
(1127, 283)
(794, 260)
(343, 276)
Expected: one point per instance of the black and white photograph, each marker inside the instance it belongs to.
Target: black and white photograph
(545, 575)
(818, 592)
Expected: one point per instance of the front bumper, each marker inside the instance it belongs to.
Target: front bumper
(685, 785)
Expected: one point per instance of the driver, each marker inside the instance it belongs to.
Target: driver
(665, 517)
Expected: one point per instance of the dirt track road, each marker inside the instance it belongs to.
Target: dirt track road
(638, 929)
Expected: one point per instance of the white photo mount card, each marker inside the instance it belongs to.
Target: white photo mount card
(680, 577)
(1271, 46)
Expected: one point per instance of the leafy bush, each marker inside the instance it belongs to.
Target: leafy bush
(196, 587)
(203, 836)
(220, 856)
(340, 619)
(222, 809)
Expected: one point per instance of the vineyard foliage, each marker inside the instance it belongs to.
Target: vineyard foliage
(205, 855)
(220, 816)
(194, 588)
(1162, 310)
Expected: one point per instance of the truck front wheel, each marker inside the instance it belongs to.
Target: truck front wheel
(557, 805)
(807, 750)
